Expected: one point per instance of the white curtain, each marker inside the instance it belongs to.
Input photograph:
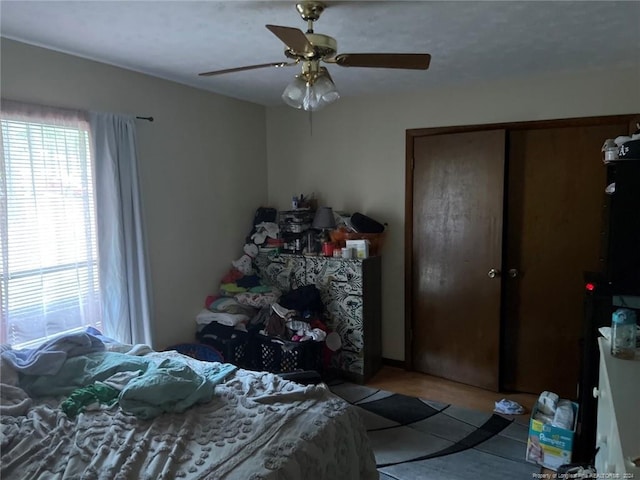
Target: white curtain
(121, 241)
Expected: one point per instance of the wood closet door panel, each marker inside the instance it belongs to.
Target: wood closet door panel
(457, 217)
(555, 196)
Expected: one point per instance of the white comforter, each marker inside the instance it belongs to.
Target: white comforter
(258, 426)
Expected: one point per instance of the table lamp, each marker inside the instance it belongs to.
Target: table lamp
(324, 221)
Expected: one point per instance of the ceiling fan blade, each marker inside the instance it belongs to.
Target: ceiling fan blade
(249, 67)
(293, 38)
(412, 61)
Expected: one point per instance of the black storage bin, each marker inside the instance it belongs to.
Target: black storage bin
(278, 356)
(205, 353)
(232, 343)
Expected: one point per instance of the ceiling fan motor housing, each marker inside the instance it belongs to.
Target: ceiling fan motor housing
(324, 46)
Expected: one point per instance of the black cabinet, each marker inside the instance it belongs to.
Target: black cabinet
(620, 255)
(618, 277)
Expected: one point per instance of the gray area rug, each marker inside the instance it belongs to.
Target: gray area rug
(417, 439)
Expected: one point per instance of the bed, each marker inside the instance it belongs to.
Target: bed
(236, 424)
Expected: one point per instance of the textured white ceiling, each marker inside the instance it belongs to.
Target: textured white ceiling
(469, 41)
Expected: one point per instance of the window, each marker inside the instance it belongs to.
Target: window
(49, 260)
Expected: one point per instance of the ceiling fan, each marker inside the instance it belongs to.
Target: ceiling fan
(313, 88)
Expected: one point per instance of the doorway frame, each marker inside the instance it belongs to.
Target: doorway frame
(411, 134)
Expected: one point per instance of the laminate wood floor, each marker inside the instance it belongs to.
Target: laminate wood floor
(418, 384)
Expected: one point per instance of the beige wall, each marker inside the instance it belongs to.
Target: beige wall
(205, 158)
(202, 168)
(353, 157)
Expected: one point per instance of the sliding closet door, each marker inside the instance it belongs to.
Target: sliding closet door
(554, 209)
(457, 241)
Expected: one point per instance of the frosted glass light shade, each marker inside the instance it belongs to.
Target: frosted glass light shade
(326, 92)
(295, 92)
(310, 96)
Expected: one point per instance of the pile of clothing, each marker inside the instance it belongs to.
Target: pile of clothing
(297, 317)
(244, 308)
(241, 292)
(242, 278)
(241, 295)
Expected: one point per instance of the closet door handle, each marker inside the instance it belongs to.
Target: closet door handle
(513, 272)
(493, 273)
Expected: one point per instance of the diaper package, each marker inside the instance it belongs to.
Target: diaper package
(551, 431)
(563, 417)
(548, 402)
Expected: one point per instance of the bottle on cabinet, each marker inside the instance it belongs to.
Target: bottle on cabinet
(623, 333)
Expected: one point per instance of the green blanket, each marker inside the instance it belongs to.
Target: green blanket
(170, 386)
(82, 371)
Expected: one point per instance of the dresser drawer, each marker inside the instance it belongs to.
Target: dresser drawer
(324, 271)
(346, 318)
(283, 272)
(605, 421)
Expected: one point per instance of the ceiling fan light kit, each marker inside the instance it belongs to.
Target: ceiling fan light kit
(313, 88)
(311, 91)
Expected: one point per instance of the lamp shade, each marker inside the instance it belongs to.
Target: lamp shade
(324, 219)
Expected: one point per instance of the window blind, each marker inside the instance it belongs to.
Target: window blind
(49, 259)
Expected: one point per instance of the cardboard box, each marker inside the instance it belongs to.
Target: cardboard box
(361, 246)
(550, 446)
